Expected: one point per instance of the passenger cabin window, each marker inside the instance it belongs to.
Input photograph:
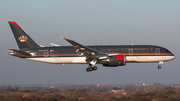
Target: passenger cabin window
(157, 51)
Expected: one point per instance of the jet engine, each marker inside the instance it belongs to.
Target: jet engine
(115, 60)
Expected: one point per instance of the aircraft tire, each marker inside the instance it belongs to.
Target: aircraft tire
(94, 68)
(91, 69)
(159, 67)
(87, 69)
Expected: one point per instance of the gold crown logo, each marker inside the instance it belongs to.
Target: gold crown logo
(22, 38)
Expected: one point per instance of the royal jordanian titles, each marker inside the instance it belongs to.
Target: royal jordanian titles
(107, 55)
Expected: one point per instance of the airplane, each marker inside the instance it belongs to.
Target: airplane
(107, 55)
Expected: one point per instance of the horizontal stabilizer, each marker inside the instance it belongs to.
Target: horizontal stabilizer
(52, 44)
(20, 52)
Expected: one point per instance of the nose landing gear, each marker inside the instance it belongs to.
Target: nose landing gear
(160, 62)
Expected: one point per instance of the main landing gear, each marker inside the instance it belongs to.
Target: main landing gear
(91, 65)
(159, 66)
(91, 68)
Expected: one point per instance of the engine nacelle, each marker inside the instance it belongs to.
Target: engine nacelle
(116, 60)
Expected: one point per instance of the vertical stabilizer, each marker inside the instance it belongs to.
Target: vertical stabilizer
(22, 38)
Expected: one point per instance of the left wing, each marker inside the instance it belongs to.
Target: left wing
(87, 51)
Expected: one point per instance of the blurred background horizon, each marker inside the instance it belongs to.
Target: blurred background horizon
(102, 22)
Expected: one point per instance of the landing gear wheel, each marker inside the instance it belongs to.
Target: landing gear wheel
(159, 67)
(91, 69)
(91, 66)
(95, 68)
(87, 69)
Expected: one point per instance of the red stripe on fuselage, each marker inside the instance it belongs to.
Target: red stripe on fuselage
(121, 57)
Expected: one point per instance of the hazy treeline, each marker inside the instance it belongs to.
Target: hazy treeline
(90, 93)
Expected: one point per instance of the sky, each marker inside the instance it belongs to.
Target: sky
(93, 22)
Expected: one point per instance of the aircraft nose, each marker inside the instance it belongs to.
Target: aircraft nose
(173, 56)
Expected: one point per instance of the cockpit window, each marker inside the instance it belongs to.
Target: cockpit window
(167, 51)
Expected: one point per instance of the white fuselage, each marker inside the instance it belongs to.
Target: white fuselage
(82, 60)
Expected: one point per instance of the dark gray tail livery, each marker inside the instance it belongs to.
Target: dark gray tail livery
(22, 38)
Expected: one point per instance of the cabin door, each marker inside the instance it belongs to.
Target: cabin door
(130, 51)
(157, 51)
(46, 53)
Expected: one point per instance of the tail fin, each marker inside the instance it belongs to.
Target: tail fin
(22, 38)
